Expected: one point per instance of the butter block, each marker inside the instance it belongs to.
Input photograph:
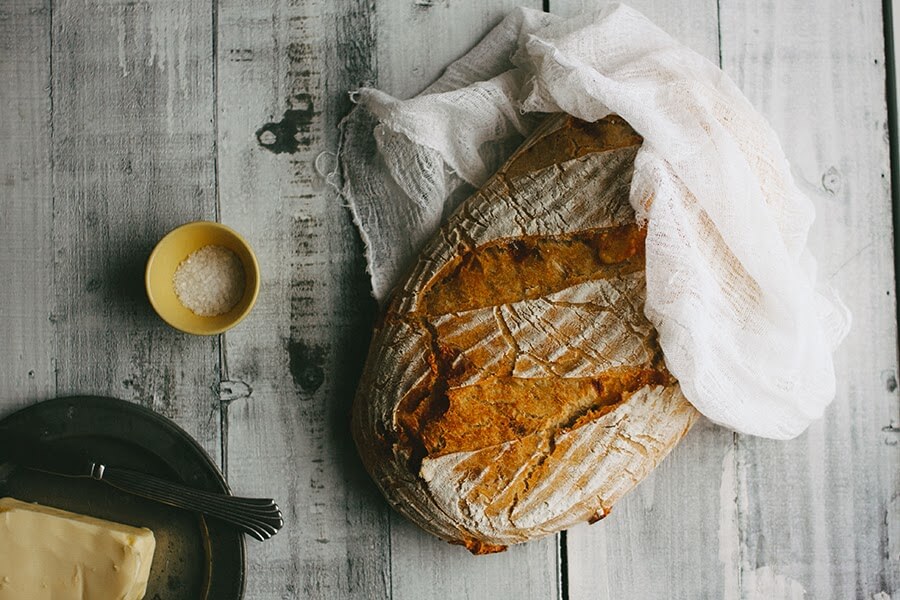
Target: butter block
(52, 554)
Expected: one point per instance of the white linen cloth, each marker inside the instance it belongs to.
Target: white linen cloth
(730, 283)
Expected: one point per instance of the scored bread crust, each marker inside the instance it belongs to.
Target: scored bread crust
(513, 386)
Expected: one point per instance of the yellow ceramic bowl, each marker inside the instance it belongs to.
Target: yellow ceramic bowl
(171, 251)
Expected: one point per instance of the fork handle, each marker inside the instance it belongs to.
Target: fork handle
(258, 517)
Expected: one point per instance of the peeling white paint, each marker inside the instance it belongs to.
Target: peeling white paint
(120, 24)
(168, 51)
(766, 584)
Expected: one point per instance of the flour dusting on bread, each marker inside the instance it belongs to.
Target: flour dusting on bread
(514, 386)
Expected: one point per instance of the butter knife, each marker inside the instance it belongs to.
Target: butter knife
(259, 517)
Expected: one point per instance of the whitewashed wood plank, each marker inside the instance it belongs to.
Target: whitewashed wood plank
(663, 540)
(26, 334)
(820, 514)
(416, 40)
(426, 567)
(301, 351)
(132, 158)
(292, 365)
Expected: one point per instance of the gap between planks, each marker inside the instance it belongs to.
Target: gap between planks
(891, 26)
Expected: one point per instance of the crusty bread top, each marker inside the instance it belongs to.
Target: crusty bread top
(514, 385)
(501, 407)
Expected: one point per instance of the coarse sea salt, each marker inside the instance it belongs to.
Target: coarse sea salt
(210, 281)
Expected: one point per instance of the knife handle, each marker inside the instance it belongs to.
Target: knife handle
(258, 517)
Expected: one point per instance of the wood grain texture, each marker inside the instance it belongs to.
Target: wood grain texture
(821, 513)
(111, 114)
(26, 333)
(293, 364)
(415, 41)
(301, 350)
(662, 539)
(504, 363)
(132, 158)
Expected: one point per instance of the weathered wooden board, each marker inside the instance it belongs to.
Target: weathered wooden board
(132, 157)
(661, 541)
(821, 514)
(116, 118)
(26, 298)
(414, 42)
(417, 39)
(291, 367)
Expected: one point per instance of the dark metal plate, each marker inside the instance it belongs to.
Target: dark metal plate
(195, 557)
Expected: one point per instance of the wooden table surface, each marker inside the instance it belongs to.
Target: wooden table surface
(120, 120)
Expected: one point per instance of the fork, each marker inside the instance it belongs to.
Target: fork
(258, 517)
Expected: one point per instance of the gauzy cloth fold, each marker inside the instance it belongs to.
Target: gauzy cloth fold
(730, 283)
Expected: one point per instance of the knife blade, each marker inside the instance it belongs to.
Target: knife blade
(258, 517)
(55, 457)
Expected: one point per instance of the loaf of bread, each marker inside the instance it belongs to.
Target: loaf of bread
(513, 386)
